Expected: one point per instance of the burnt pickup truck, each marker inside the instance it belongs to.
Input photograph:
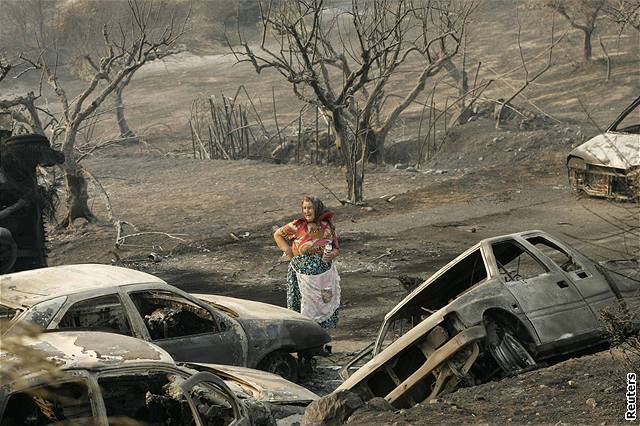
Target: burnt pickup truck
(503, 306)
(608, 165)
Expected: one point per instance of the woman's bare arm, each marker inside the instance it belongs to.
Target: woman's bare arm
(282, 244)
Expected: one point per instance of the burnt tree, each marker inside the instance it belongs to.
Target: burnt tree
(125, 50)
(582, 15)
(342, 61)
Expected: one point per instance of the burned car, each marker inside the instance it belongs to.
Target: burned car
(502, 307)
(194, 328)
(109, 378)
(608, 165)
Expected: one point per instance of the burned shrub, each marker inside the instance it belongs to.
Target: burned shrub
(623, 332)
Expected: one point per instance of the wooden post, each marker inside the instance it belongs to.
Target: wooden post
(314, 158)
(420, 143)
(299, 138)
(328, 137)
(193, 140)
(275, 115)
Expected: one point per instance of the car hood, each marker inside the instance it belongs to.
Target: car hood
(259, 385)
(250, 310)
(611, 149)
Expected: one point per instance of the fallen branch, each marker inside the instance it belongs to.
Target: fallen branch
(120, 238)
(387, 253)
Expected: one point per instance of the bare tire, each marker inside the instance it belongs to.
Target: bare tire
(508, 352)
(282, 364)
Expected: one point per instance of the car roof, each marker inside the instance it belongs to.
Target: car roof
(95, 350)
(28, 288)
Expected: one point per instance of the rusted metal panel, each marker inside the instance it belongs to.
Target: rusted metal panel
(435, 359)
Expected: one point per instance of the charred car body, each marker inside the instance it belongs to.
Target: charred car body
(194, 328)
(501, 307)
(107, 377)
(22, 232)
(608, 165)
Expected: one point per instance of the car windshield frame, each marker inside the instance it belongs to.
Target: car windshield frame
(410, 301)
(47, 310)
(624, 114)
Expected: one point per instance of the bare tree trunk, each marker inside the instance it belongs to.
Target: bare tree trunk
(461, 77)
(354, 182)
(77, 195)
(375, 146)
(125, 130)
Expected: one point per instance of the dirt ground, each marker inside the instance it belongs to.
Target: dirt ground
(211, 221)
(434, 217)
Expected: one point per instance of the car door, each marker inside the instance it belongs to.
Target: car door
(551, 302)
(589, 282)
(69, 400)
(154, 394)
(186, 328)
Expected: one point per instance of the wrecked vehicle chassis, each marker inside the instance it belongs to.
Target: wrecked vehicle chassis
(502, 307)
(608, 165)
(202, 328)
(106, 378)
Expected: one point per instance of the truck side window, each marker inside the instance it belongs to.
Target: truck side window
(556, 254)
(515, 263)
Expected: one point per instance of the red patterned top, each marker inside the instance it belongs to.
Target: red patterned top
(308, 238)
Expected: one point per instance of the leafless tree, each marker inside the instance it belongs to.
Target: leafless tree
(582, 15)
(125, 50)
(624, 12)
(26, 23)
(22, 108)
(82, 45)
(342, 61)
(528, 76)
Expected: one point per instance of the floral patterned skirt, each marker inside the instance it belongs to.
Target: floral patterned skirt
(309, 265)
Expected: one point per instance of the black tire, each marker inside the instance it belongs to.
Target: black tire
(282, 364)
(507, 350)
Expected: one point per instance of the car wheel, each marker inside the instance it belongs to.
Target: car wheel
(510, 355)
(282, 364)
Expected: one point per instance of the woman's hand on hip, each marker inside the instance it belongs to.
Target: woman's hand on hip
(288, 252)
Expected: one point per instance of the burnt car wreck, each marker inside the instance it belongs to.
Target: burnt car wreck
(502, 307)
(105, 378)
(608, 165)
(192, 328)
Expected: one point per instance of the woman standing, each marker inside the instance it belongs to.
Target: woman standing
(313, 284)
